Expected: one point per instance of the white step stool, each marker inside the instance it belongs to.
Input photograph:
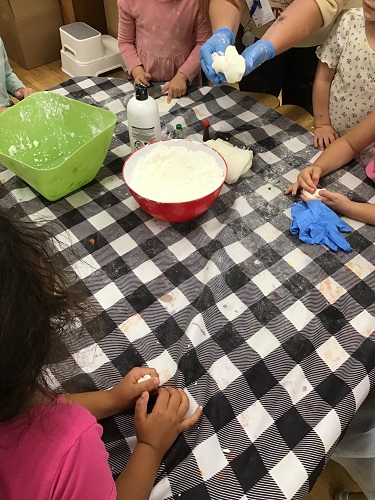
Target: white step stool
(86, 52)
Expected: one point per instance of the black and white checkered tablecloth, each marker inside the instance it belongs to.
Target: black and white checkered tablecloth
(272, 336)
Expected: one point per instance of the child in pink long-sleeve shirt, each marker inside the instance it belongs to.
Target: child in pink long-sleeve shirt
(160, 40)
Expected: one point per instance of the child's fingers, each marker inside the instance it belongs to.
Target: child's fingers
(295, 188)
(144, 80)
(315, 175)
(184, 404)
(307, 184)
(174, 399)
(308, 180)
(292, 189)
(141, 408)
(329, 140)
(141, 78)
(162, 400)
(149, 385)
(141, 371)
(171, 95)
(165, 89)
(193, 419)
(332, 138)
(327, 195)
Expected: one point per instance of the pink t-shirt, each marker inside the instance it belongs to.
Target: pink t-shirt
(54, 452)
(164, 36)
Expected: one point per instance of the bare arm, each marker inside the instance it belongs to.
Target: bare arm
(126, 36)
(122, 396)
(335, 156)
(365, 212)
(296, 23)
(137, 479)
(344, 149)
(101, 404)
(224, 14)
(156, 432)
(322, 86)
(324, 132)
(202, 30)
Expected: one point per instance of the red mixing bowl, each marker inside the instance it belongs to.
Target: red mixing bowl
(179, 211)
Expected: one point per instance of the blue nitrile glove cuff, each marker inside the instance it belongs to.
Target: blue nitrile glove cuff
(314, 222)
(257, 54)
(228, 34)
(217, 43)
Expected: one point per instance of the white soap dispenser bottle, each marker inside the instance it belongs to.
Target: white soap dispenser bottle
(143, 118)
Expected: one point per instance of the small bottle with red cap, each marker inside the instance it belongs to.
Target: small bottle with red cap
(206, 130)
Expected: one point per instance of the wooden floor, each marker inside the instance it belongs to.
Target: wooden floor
(334, 477)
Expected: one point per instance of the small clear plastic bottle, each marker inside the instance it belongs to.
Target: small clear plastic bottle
(178, 134)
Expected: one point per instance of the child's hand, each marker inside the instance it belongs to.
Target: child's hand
(307, 179)
(324, 135)
(23, 92)
(336, 201)
(126, 392)
(140, 76)
(160, 428)
(176, 87)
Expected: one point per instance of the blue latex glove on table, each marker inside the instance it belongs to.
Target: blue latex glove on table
(220, 40)
(314, 222)
(257, 54)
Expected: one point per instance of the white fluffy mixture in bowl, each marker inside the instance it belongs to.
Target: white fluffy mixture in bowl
(176, 174)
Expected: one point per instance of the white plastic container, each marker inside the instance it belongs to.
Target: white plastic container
(143, 119)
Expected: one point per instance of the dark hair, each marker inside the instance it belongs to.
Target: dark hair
(37, 306)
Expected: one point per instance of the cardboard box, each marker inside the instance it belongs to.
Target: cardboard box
(30, 31)
(111, 15)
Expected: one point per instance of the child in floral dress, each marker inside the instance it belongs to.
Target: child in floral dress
(344, 87)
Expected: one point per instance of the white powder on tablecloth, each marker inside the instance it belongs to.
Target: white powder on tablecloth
(176, 174)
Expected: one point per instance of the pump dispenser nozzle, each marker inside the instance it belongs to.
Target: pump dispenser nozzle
(141, 92)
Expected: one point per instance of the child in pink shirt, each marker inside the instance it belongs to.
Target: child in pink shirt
(160, 40)
(50, 446)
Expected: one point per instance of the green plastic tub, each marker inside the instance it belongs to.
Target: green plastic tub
(53, 143)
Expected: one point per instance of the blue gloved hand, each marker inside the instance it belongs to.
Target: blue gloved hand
(257, 53)
(220, 40)
(314, 222)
